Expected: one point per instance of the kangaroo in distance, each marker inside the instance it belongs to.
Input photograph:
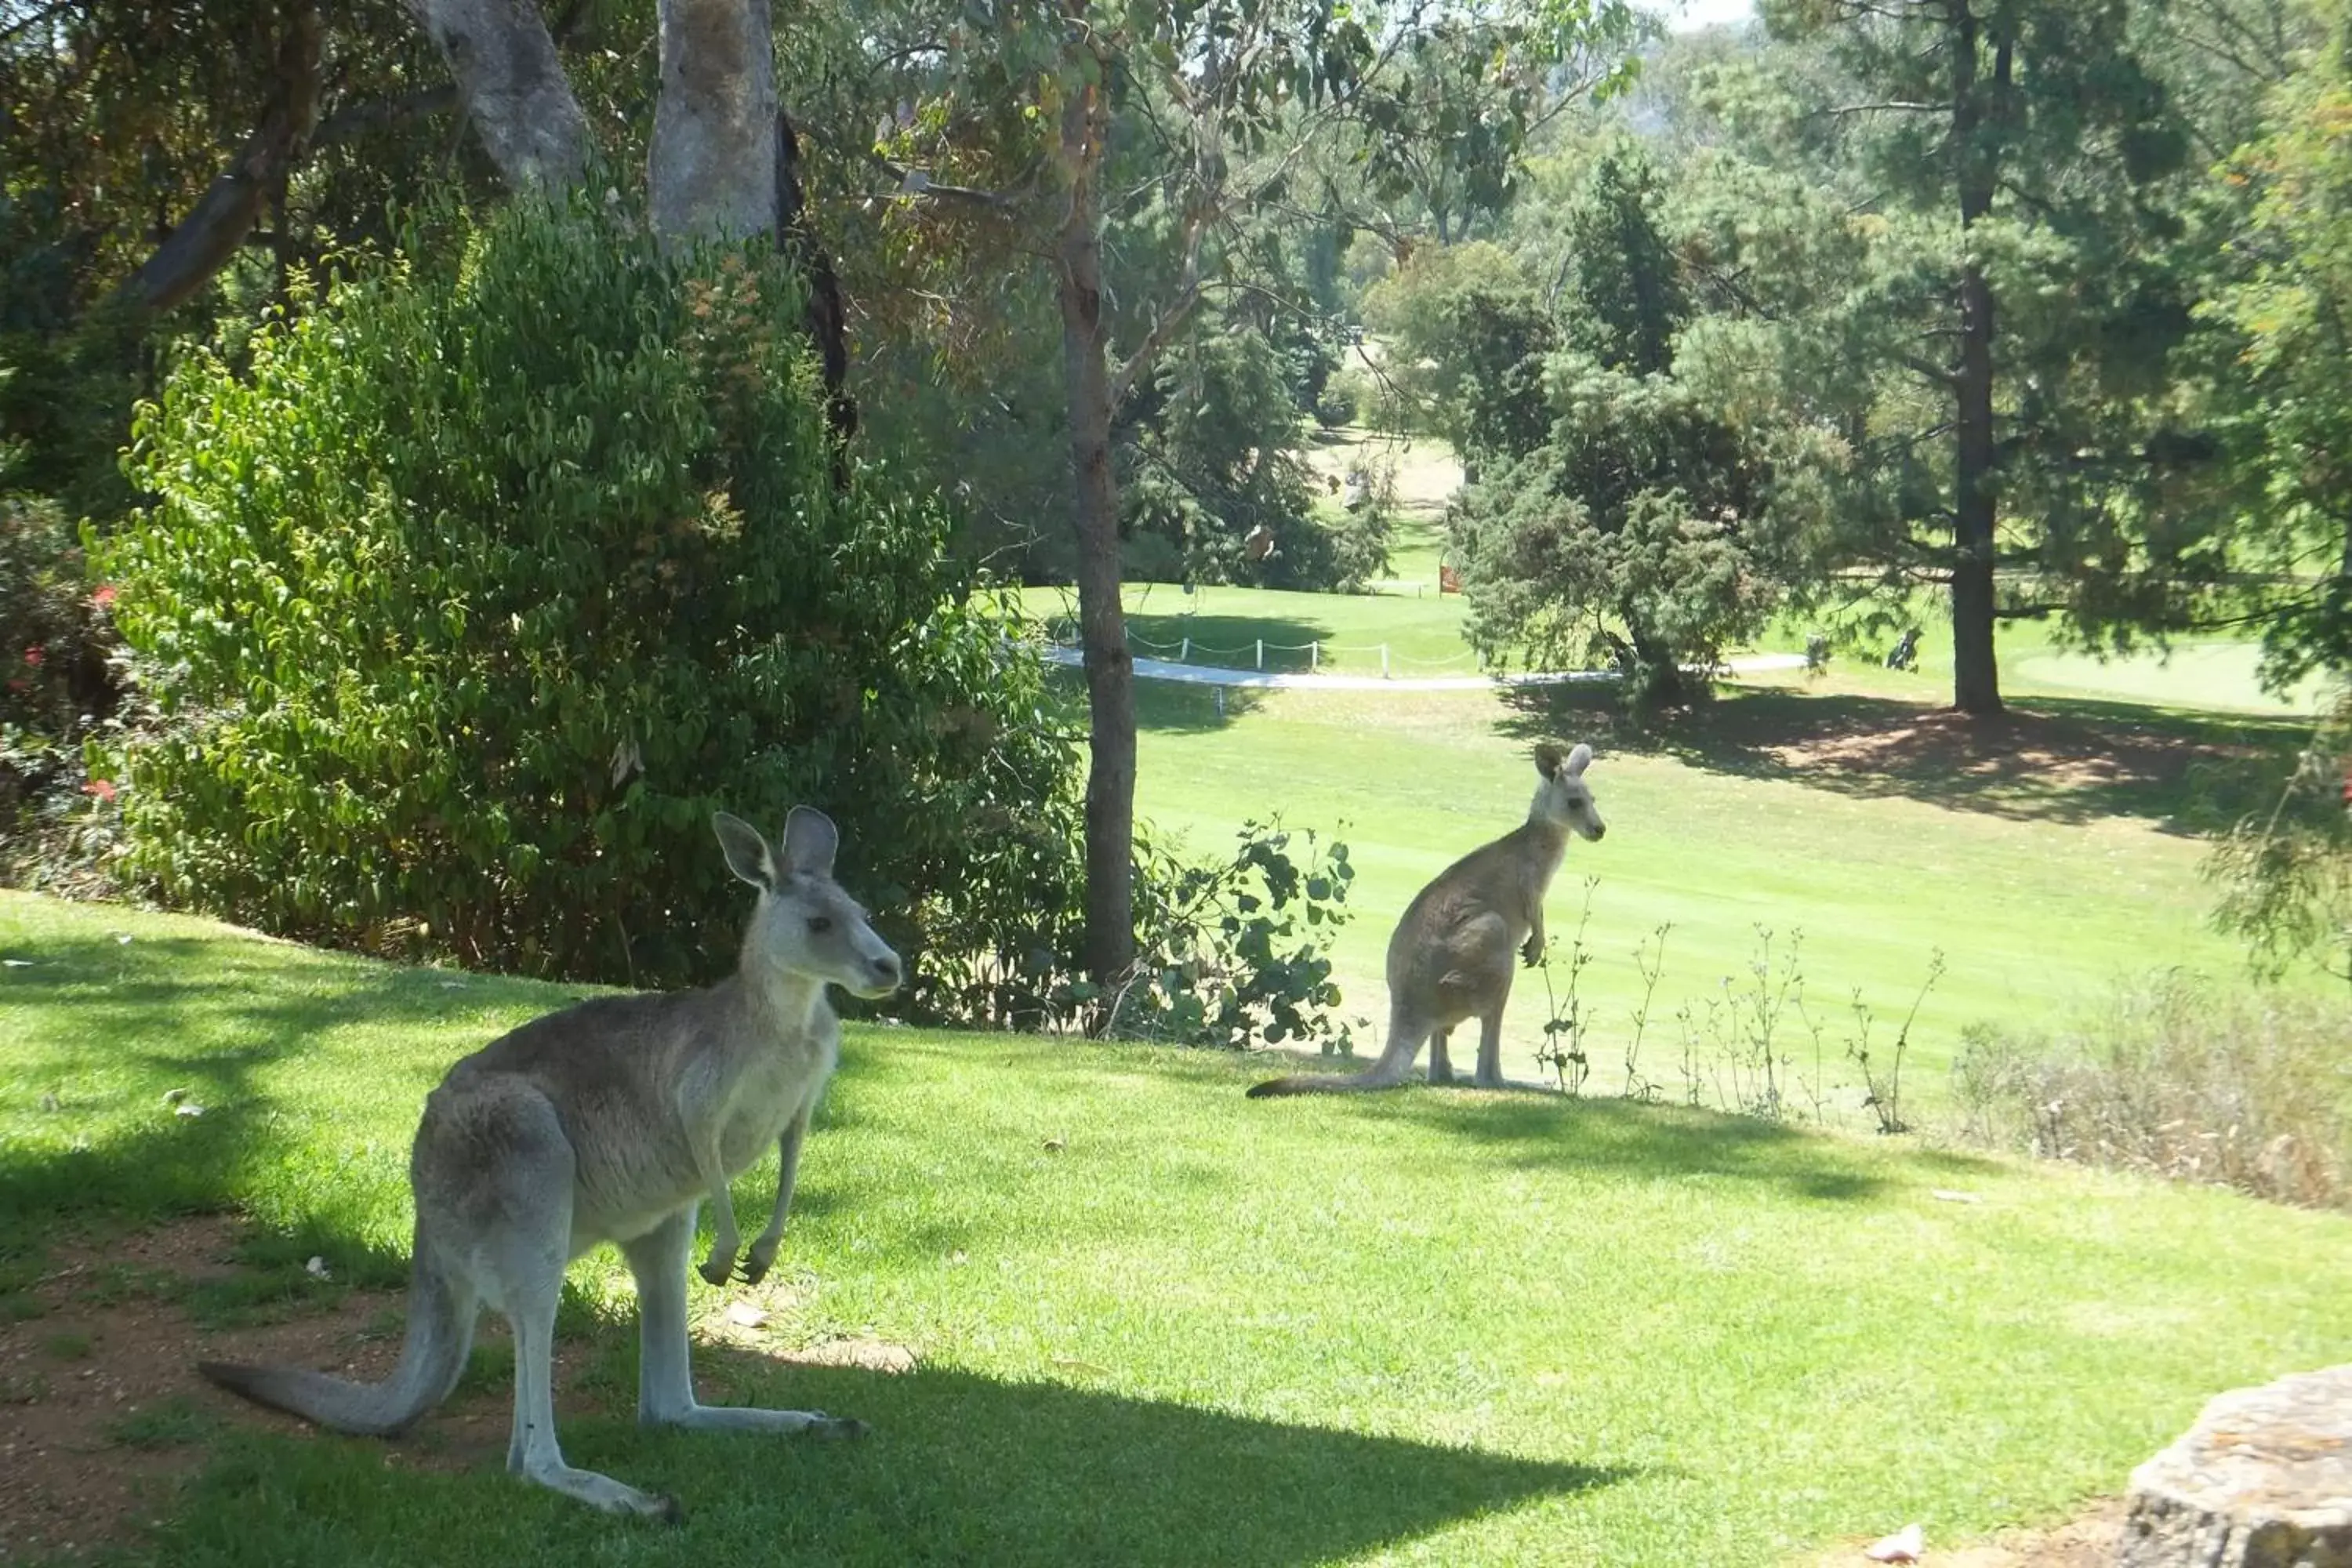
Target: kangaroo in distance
(612, 1120)
(1449, 958)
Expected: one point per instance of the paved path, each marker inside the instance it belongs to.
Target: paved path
(1214, 675)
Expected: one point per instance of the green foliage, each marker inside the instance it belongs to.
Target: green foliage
(1625, 296)
(2278, 340)
(2285, 875)
(1234, 951)
(1215, 472)
(1643, 532)
(1467, 332)
(55, 683)
(494, 572)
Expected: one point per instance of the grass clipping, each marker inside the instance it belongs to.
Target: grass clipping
(2179, 1078)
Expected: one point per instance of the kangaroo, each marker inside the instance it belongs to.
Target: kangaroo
(1450, 957)
(613, 1121)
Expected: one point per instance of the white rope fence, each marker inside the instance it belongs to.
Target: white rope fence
(1214, 657)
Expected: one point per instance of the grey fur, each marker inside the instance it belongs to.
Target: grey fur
(1450, 957)
(614, 1121)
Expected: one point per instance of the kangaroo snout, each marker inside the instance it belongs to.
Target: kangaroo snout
(886, 974)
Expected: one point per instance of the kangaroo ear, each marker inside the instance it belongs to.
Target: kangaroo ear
(1547, 759)
(746, 852)
(810, 840)
(1577, 760)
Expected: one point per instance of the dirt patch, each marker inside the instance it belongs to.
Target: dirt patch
(2062, 755)
(102, 1415)
(104, 1412)
(2088, 1541)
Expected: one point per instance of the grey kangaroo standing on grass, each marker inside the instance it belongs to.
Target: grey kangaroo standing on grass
(1449, 958)
(612, 1120)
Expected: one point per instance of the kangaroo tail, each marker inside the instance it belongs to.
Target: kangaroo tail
(440, 1332)
(1405, 1036)
(1308, 1085)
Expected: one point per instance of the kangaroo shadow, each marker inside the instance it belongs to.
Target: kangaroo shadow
(958, 1467)
(2045, 759)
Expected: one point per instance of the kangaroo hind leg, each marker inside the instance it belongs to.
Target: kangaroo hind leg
(1490, 1050)
(664, 1379)
(501, 1182)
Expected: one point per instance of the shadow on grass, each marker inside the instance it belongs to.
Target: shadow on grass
(154, 1108)
(1227, 641)
(2047, 759)
(1538, 1129)
(1180, 706)
(959, 1468)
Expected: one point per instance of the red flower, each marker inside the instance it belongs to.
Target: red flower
(102, 788)
(33, 656)
(104, 597)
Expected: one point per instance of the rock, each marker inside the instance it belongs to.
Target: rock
(2263, 1480)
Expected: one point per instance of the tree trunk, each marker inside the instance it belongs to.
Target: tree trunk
(1102, 624)
(711, 170)
(1976, 673)
(826, 319)
(513, 88)
(201, 242)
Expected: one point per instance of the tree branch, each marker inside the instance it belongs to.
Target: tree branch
(203, 242)
(357, 120)
(1171, 319)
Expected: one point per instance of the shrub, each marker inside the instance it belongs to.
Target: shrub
(1237, 951)
(2178, 1078)
(55, 684)
(478, 587)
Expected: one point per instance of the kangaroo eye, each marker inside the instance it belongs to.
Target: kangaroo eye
(820, 924)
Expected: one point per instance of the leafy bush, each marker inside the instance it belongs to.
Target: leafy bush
(2179, 1078)
(489, 576)
(1230, 951)
(56, 682)
(1237, 951)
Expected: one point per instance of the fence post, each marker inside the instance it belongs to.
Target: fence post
(1314, 656)
(1261, 653)
(1184, 655)
(1384, 661)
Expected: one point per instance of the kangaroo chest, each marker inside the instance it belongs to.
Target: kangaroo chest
(772, 1091)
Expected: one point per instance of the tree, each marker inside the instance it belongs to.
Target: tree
(1209, 113)
(2028, 146)
(1657, 518)
(1465, 330)
(2280, 333)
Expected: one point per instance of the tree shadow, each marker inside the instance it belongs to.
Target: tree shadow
(1228, 642)
(959, 1467)
(156, 1108)
(2046, 759)
(1182, 707)
(1536, 1127)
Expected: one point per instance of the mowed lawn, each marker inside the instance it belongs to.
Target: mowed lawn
(1153, 1322)
(2050, 857)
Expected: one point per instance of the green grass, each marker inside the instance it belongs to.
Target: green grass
(1442, 1328)
(175, 1423)
(2048, 858)
(1224, 624)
